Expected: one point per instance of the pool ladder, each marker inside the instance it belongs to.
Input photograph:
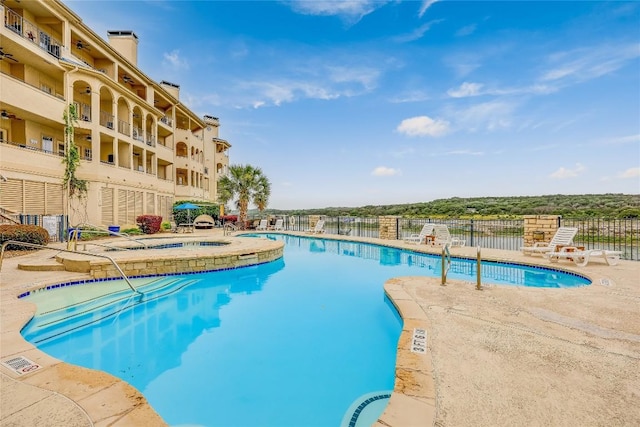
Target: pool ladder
(34, 245)
(446, 265)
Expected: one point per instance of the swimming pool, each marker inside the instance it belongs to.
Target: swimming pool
(297, 341)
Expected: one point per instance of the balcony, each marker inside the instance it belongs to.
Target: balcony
(123, 127)
(31, 32)
(106, 119)
(151, 139)
(84, 111)
(167, 121)
(137, 134)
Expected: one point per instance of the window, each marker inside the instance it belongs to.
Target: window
(88, 154)
(60, 148)
(47, 144)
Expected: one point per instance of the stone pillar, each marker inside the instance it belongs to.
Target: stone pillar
(313, 219)
(388, 227)
(539, 228)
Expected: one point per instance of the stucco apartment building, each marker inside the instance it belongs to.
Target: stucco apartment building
(140, 147)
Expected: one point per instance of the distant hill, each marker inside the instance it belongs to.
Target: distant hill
(569, 206)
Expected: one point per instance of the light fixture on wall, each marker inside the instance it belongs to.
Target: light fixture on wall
(87, 90)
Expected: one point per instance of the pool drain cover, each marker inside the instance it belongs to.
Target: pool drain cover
(20, 365)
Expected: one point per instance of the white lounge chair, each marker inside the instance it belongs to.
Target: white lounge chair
(427, 230)
(443, 237)
(262, 225)
(279, 226)
(582, 257)
(319, 228)
(563, 237)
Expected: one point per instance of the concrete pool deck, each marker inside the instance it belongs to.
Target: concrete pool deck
(505, 355)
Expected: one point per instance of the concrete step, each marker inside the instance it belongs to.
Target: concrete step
(41, 266)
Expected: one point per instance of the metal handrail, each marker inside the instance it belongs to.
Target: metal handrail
(228, 227)
(34, 245)
(446, 263)
(73, 235)
(478, 271)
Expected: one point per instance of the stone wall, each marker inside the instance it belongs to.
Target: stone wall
(388, 227)
(539, 228)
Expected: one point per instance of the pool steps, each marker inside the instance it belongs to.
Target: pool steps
(55, 322)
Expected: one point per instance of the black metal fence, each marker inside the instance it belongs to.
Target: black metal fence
(56, 225)
(613, 234)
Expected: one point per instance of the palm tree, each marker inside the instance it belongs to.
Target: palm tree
(248, 185)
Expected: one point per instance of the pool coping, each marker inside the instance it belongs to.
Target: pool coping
(414, 395)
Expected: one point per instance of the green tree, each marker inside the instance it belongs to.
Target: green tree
(246, 184)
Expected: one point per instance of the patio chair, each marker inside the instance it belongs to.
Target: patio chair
(563, 237)
(279, 226)
(582, 257)
(443, 237)
(427, 230)
(263, 225)
(319, 228)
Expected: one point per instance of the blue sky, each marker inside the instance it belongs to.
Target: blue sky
(350, 103)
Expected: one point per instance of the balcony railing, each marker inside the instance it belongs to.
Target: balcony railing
(56, 91)
(123, 127)
(106, 119)
(84, 111)
(31, 32)
(30, 148)
(137, 134)
(151, 139)
(167, 121)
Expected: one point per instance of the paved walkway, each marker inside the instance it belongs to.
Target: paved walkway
(501, 356)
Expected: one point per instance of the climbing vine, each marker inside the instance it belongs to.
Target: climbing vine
(77, 187)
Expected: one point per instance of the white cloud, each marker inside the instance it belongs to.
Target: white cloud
(463, 64)
(465, 89)
(365, 76)
(350, 10)
(417, 33)
(423, 126)
(630, 173)
(173, 60)
(385, 171)
(426, 4)
(491, 115)
(588, 63)
(563, 173)
(465, 31)
(624, 139)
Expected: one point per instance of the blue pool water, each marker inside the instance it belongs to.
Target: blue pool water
(294, 342)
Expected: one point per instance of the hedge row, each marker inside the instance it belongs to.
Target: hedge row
(23, 233)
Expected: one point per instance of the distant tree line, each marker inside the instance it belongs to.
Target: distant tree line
(569, 206)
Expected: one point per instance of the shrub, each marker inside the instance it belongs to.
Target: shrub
(229, 218)
(166, 225)
(131, 231)
(23, 233)
(149, 224)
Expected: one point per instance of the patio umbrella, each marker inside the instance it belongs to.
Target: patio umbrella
(187, 207)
